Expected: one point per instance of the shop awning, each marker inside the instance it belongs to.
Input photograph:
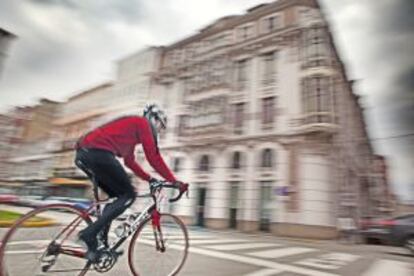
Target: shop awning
(69, 181)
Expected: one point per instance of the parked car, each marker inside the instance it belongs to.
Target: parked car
(398, 231)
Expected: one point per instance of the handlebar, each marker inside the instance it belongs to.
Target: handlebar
(159, 184)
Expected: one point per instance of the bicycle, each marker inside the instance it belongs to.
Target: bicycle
(24, 251)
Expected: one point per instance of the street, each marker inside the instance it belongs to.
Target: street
(234, 253)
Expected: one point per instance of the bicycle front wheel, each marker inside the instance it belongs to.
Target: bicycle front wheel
(145, 255)
(44, 242)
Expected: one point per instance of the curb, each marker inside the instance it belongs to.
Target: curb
(267, 235)
(42, 223)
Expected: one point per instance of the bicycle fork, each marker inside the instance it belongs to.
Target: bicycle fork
(156, 228)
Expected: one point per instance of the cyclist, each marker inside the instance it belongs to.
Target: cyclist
(96, 154)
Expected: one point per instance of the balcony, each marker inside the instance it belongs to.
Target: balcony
(204, 134)
(315, 122)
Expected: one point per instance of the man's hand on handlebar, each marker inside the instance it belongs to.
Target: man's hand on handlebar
(179, 185)
(183, 188)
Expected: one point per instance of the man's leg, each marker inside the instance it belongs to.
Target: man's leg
(105, 230)
(113, 179)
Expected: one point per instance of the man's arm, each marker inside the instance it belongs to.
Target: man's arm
(130, 162)
(152, 154)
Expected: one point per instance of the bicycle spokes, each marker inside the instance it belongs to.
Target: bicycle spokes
(159, 250)
(48, 247)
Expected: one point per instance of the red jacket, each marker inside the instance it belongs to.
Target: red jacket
(121, 136)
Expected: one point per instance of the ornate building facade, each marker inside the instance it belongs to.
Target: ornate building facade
(265, 124)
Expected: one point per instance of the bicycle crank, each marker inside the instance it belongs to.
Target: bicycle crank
(106, 260)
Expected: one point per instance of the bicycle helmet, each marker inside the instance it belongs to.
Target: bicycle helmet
(155, 114)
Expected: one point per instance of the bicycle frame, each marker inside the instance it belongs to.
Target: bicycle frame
(146, 213)
(58, 245)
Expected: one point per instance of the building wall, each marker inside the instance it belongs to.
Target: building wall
(39, 125)
(312, 143)
(29, 158)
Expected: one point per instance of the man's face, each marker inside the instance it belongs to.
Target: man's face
(158, 126)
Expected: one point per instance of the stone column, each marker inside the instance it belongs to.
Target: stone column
(217, 195)
(250, 194)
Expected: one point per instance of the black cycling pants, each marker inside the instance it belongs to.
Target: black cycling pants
(111, 177)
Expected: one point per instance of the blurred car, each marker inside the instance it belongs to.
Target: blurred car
(374, 230)
(402, 232)
(398, 231)
(81, 203)
(37, 201)
(31, 201)
(8, 198)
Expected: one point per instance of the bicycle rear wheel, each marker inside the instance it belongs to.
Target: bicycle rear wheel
(144, 256)
(44, 242)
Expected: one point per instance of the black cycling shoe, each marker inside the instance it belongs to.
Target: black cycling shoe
(91, 242)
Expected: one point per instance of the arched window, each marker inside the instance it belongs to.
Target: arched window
(267, 158)
(236, 160)
(204, 164)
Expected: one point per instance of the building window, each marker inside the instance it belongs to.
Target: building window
(182, 121)
(204, 165)
(269, 68)
(271, 23)
(316, 99)
(268, 110)
(236, 160)
(316, 48)
(241, 74)
(267, 158)
(177, 164)
(238, 118)
(245, 32)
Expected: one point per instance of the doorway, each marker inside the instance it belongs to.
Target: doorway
(200, 207)
(265, 216)
(233, 206)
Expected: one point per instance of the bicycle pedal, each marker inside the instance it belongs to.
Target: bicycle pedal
(45, 267)
(119, 253)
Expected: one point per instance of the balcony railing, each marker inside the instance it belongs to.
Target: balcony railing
(315, 121)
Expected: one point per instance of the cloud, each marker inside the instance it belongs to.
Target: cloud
(131, 11)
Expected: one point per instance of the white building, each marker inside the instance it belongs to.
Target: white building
(263, 123)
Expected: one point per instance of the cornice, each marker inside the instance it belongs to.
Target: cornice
(239, 20)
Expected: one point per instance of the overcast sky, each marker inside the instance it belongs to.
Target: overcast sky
(65, 46)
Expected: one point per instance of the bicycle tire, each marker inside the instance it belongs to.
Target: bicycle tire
(23, 241)
(142, 245)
